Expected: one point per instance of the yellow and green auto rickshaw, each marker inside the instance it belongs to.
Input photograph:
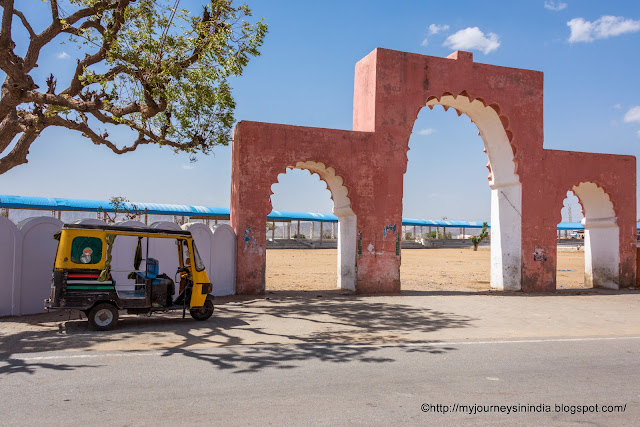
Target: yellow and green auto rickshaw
(83, 278)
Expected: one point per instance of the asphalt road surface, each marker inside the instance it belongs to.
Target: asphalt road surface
(517, 381)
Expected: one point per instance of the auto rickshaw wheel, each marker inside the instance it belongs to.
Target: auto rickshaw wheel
(103, 317)
(204, 312)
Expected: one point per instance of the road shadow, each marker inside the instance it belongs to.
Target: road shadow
(253, 359)
(283, 330)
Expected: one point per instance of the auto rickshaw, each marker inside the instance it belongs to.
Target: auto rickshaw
(83, 278)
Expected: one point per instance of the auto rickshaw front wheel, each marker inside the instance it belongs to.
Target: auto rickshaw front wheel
(204, 312)
(103, 317)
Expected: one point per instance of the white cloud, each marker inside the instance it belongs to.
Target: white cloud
(605, 27)
(554, 5)
(633, 115)
(639, 134)
(426, 132)
(62, 55)
(188, 167)
(424, 42)
(618, 106)
(473, 38)
(435, 28)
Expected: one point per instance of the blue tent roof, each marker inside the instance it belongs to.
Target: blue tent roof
(570, 226)
(50, 203)
(442, 223)
(301, 216)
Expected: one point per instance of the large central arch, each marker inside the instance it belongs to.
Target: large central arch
(506, 189)
(391, 87)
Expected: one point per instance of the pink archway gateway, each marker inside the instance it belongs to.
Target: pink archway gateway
(364, 171)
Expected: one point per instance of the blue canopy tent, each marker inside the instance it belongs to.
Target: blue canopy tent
(82, 205)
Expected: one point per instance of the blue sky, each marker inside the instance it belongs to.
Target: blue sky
(588, 51)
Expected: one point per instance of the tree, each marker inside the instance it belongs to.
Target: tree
(480, 237)
(145, 66)
(121, 206)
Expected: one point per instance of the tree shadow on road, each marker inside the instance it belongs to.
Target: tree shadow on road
(283, 331)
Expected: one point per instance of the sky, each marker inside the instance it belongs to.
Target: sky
(588, 51)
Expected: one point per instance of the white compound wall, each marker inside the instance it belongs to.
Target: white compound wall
(27, 253)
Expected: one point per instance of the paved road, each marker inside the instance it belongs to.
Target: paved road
(327, 383)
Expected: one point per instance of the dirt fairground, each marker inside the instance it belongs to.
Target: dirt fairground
(421, 270)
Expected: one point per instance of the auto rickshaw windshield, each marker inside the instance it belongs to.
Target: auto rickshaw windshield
(199, 264)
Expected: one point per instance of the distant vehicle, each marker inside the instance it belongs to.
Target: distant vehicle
(82, 278)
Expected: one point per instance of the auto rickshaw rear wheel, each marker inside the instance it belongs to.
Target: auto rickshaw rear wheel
(204, 312)
(103, 317)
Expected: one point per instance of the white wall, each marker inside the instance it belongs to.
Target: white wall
(124, 249)
(223, 261)
(37, 258)
(10, 238)
(27, 254)
(164, 250)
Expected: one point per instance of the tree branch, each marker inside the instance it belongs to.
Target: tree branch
(9, 128)
(55, 13)
(11, 63)
(107, 39)
(56, 27)
(7, 18)
(79, 105)
(98, 139)
(18, 155)
(20, 15)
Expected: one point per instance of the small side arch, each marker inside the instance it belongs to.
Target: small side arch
(601, 236)
(347, 220)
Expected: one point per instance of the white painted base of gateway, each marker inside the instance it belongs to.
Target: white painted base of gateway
(506, 236)
(347, 249)
(601, 253)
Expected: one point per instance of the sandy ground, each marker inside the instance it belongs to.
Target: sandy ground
(421, 270)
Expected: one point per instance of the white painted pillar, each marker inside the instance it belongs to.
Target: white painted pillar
(289, 230)
(347, 250)
(506, 236)
(601, 253)
(333, 230)
(311, 232)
